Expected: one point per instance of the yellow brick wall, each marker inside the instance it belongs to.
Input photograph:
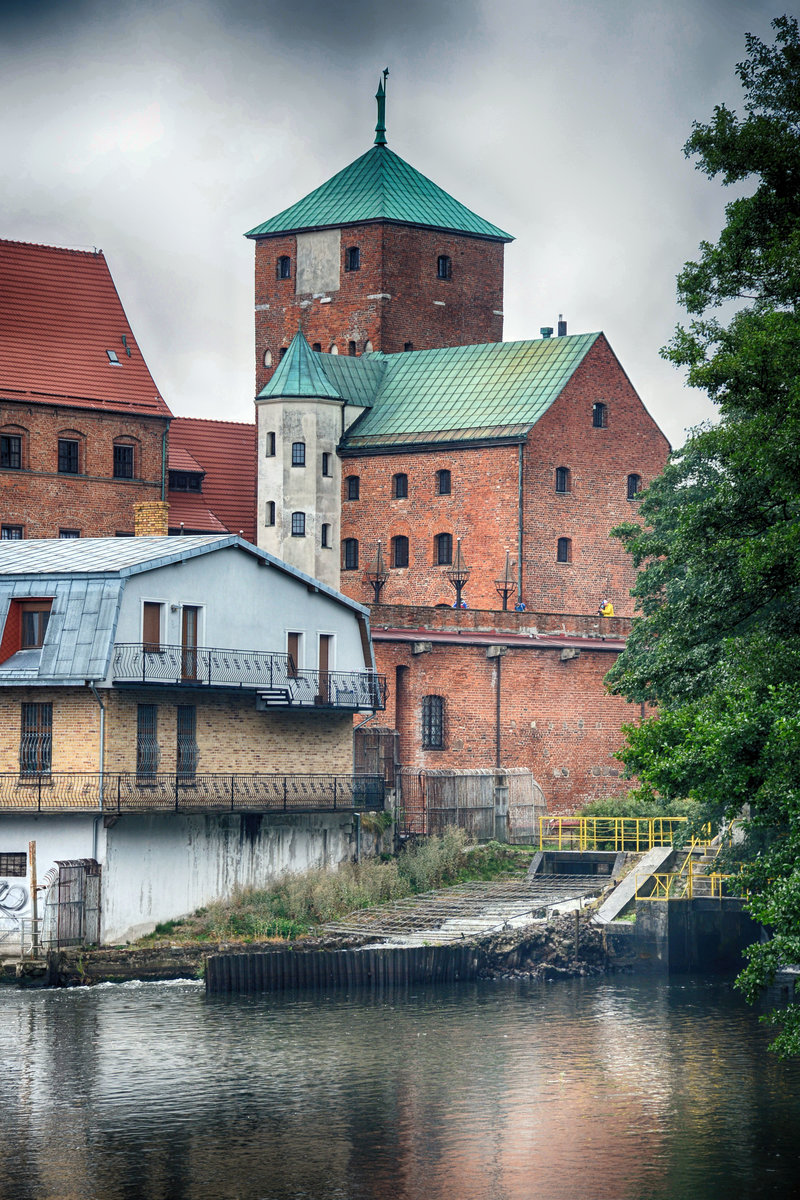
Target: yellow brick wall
(76, 727)
(151, 518)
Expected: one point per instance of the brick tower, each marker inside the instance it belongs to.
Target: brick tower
(377, 258)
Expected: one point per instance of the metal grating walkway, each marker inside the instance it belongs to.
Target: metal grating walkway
(469, 910)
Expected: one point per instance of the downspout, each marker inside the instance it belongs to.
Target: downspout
(499, 661)
(97, 820)
(520, 593)
(164, 461)
(357, 816)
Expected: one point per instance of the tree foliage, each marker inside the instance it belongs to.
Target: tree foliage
(716, 645)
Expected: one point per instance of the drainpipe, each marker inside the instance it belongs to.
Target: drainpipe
(520, 592)
(164, 461)
(357, 816)
(93, 690)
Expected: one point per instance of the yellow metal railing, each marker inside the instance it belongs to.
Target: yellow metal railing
(633, 834)
(681, 886)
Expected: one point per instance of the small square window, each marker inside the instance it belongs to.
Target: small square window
(123, 462)
(11, 533)
(113, 359)
(13, 864)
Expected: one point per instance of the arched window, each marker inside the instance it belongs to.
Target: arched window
(443, 483)
(70, 446)
(368, 346)
(443, 547)
(634, 486)
(267, 358)
(400, 486)
(269, 515)
(400, 551)
(298, 524)
(599, 415)
(12, 447)
(334, 349)
(352, 259)
(433, 722)
(317, 347)
(563, 479)
(283, 267)
(298, 454)
(443, 266)
(124, 460)
(350, 554)
(564, 550)
(351, 349)
(352, 487)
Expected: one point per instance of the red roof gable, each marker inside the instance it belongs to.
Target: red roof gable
(59, 315)
(226, 451)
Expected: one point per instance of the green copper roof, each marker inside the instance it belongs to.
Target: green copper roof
(460, 393)
(379, 186)
(299, 374)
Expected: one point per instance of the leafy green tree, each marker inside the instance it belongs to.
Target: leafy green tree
(717, 643)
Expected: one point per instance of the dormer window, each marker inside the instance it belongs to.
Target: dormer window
(352, 259)
(34, 616)
(283, 267)
(444, 266)
(185, 481)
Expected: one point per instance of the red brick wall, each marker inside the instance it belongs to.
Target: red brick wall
(482, 508)
(398, 261)
(43, 501)
(555, 717)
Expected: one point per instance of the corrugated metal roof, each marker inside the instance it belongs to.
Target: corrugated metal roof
(98, 556)
(226, 451)
(379, 186)
(59, 314)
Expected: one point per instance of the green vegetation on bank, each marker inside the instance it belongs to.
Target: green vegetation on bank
(296, 905)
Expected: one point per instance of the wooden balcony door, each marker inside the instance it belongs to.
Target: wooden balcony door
(190, 620)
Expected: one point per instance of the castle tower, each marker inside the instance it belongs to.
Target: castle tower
(377, 258)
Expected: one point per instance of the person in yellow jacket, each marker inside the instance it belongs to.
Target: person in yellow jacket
(606, 609)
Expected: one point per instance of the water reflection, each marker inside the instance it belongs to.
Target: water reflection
(604, 1089)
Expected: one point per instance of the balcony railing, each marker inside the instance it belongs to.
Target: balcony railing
(162, 792)
(273, 676)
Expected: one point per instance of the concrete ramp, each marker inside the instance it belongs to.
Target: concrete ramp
(623, 893)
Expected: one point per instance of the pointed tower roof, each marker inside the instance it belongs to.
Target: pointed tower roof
(299, 374)
(379, 186)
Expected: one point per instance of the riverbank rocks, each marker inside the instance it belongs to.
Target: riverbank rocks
(561, 948)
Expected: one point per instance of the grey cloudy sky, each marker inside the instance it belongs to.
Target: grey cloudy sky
(161, 130)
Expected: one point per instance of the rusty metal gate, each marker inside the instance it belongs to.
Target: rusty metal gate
(78, 907)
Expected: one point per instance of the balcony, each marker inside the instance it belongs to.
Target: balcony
(129, 792)
(272, 676)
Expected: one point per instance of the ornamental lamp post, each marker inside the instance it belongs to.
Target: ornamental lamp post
(505, 586)
(377, 574)
(458, 574)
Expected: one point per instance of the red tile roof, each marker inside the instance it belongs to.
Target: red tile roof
(59, 314)
(226, 451)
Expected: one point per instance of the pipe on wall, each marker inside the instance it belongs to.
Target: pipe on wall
(520, 462)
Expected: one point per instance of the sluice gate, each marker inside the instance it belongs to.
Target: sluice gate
(320, 970)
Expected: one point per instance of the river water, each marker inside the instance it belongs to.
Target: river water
(604, 1089)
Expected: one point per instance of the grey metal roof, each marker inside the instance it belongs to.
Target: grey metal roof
(97, 556)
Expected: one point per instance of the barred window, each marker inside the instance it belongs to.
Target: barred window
(148, 751)
(400, 551)
(444, 549)
(36, 740)
(14, 864)
(67, 456)
(350, 554)
(433, 722)
(11, 451)
(186, 750)
(443, 483)
(123, 462)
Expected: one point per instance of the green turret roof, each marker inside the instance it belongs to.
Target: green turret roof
(379, 186)
(299, 374)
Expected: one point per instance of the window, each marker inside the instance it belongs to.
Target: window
(69, 533)
(443, 266)
(270, 445)
(325, 537)
(35, 615)
(185, 481)
(443, 483)
(67, 456)
(433, 722)
(113, 360)
(563, 479)
(400, 486)
(400, 551)
(298, 454)
(317, 347)
(123, 462)
(350, 554)
(408, 345)
(186, 748)
(148, 751)
(11, 451)
(334, 349)
(14, 864)
(282, 352)
(352, 487)
(269, 515)
(599, 415)
(36, 740)
(298, 524)
(267, 358)
(368, 347)
(634, 486)
(351, 349)
(443, 543)
(352, 259)
(326, 463)
(564, 550)
(11, 533)
(283, 267)
(152, 619)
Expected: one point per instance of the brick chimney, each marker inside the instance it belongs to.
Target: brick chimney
(151, 519)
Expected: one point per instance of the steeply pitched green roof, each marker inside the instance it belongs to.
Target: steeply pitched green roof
(379, 186)
(299, 374)
(456, 394)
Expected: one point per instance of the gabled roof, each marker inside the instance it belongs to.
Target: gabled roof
(59, 315)
(226, 451)
(379, 186)
(460, 393)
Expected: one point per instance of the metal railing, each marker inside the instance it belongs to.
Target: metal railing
(688, 885)
(633, 834)
(273, 674)
(171, 792)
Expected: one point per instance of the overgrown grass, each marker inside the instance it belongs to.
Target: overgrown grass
(634, 805)
(296, 904)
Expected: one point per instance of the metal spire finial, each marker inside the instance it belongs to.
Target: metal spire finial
(380, 96)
